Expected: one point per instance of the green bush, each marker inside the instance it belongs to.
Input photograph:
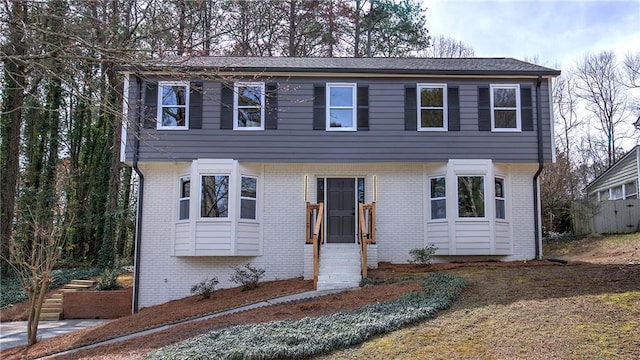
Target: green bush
(313, 336)
(422, 256)
(248, 276)
(12, 292)
(109, 280)
(205, 287)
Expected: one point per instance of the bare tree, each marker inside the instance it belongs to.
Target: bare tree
(446, 47)
(632, 70)
(565, 101)
(599, 84)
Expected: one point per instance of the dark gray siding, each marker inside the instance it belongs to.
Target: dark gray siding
(295, 141)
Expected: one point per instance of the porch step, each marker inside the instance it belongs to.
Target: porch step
(339, 267)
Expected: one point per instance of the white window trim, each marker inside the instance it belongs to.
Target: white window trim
(484, 191)
(240, 218)
(159, 125)
(431, 199)
(236, 107)
(517, 109)
(354, 108)
(181, 181)
(444, 108)
(229, 197)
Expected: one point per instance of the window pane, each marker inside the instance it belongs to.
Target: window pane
(247, 209)
(616, 193)
(470, 196)
(361, 190)
(184, 209)
(249, 95)
(500, 188)
(215, 196)
(251, 117)
(604, 195)
(185, 188)
(340, 96)
(630, 189)
(431, 97)
(249, 185)
(505, 119)
(341, 118)
(172, 116)
(438, 188)
(174, 95)
(500, 211)
(504, 97)
(439, 209)
(432, 118)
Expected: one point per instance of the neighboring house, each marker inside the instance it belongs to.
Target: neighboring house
(619, 181)
(237, 154)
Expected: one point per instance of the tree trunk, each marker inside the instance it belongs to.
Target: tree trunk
(15, 82)
(292, 28)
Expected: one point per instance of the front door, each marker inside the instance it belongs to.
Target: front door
(341, 210)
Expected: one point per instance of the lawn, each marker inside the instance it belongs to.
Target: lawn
(508, 311)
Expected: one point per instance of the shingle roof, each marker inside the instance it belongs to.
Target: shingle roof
(427, 66)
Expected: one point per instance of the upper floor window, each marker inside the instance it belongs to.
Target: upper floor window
(500, 199)
(183, 201)
(214, 202)
(471, 196)
(341, 107)
(248, 198)
(631, 190)
(248, 106)
(438, 197)
(173, 105)
(432, 109)
(505, 108)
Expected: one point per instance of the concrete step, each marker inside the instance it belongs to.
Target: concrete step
(337, 286)
(76, 286)
(88, 283)
(50, 316)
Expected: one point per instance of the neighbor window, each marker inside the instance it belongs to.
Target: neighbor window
(248, 103)
(341, 107)
(183, 202)
(500, 199)
(432, 109)
(604, 195)
(616, 193)
(505, 108)
(630, 190)
(173, 105)
(438, 197)
(215, 196)
(470, 196)
(248, 198)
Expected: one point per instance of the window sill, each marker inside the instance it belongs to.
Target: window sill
(172, 128)
(506, 130)
(433, 129)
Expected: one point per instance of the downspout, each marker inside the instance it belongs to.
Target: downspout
(136, 142)
(536, 195)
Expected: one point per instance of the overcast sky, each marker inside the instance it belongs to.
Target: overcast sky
(559, 32)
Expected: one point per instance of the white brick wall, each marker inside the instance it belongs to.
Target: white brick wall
(399, 223)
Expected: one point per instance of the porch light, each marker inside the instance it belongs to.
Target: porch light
(375, 188)
(305, 188)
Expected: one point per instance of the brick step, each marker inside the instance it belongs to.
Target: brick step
(76, 286)
(88, 283)
(52, 316)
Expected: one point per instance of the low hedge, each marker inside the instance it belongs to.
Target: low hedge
(319, 335)
(13, 293)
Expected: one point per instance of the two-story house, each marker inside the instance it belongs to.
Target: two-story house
(302, 166)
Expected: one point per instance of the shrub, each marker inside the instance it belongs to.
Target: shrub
(422, 256)
(366, 282)
(247, 276)
(109, 280)
(205, 287)
(307, 337)
(555, 236)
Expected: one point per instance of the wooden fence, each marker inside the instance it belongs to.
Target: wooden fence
(606, 217)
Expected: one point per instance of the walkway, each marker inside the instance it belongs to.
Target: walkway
(15, 333)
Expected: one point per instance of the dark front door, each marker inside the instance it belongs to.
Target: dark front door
(341, 210)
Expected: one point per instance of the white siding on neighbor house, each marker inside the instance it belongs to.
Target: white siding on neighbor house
(624, 171)
(400, 225)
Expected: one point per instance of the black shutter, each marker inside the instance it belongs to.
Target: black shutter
(271, 106)
(526, 108)
(484, 109)
(226, 107)
(319, 108)
(410, 108)
(195, 105)
(363, 107)
(150, 113)
(453, 108)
